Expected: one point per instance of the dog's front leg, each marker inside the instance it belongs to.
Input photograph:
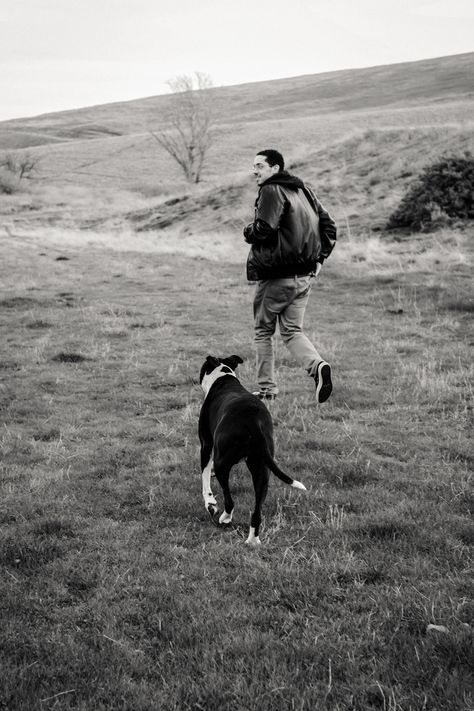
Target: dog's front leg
(209, 499)
(252, 539)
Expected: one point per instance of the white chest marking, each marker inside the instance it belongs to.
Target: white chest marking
(210, 378)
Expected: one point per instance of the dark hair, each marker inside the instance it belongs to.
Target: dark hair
(272, 157)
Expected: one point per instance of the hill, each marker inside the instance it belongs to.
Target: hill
(441, 79)
(101, 166)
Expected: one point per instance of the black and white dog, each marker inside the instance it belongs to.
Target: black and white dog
(235, 425)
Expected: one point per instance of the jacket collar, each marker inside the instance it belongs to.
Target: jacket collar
(286, 179)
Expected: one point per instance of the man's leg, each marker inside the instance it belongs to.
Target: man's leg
(291, 330)
(266, 307)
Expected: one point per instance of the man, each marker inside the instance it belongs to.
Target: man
(291, 236)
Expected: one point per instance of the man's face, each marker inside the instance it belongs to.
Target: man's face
(262, 170)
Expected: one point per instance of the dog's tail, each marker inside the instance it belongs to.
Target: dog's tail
(273, 466)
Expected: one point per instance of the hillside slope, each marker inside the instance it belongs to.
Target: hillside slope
(439, 79)
(359, 136)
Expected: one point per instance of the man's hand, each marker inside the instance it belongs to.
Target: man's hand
(318, 268)
(259, 231)
(248, 233)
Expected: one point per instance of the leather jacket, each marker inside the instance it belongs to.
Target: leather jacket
(291, 231)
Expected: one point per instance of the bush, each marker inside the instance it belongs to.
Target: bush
(8, 181)
(443, 191)
(15, 167)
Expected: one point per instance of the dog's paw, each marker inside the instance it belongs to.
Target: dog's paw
(212, 509)
(255, 541)
(252, 539)
(225, 518)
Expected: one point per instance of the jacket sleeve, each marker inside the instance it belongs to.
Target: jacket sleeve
(328, 231)
(269, 209)
(258, 231)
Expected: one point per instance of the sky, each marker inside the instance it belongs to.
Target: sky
(65, 54)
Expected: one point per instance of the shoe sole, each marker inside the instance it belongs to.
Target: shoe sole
(324, 386)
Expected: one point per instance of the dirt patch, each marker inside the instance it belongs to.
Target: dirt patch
(18, 302)
(69, 358)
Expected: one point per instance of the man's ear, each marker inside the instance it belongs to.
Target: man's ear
(232, 361)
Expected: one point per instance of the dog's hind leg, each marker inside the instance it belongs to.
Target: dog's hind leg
(207, 465)
(223, 467)
(260, 476)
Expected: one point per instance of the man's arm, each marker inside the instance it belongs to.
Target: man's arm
(327, 230)
(268, 212)
(258, 231)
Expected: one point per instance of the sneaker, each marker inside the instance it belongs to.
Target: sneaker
(323, 381)
(263, 395)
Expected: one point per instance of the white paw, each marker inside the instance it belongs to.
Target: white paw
(212, 507)
(255, 541)
(252, 539)
(225, 517)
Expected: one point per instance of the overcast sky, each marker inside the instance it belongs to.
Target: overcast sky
(63, 54)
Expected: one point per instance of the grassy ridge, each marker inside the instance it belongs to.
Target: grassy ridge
(420, 82)
(111, 146)
(361, 174)
(117, 592)
(136, 162)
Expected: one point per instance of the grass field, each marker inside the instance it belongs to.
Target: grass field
(117, 280)
(116, 590)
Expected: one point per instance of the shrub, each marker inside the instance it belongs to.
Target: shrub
(8, 182)
(14, 167)
(444, 190)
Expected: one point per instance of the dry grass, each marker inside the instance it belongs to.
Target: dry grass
(117, 591)
(361, 177)
(439, 253)
(227, 247)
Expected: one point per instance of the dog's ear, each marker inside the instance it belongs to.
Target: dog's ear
(208, 366)
(232, 361)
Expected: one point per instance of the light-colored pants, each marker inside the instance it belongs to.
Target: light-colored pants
(283, 300)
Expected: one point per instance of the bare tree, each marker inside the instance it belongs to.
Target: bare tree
(191, 117)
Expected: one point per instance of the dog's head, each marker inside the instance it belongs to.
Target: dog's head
(214, 367)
